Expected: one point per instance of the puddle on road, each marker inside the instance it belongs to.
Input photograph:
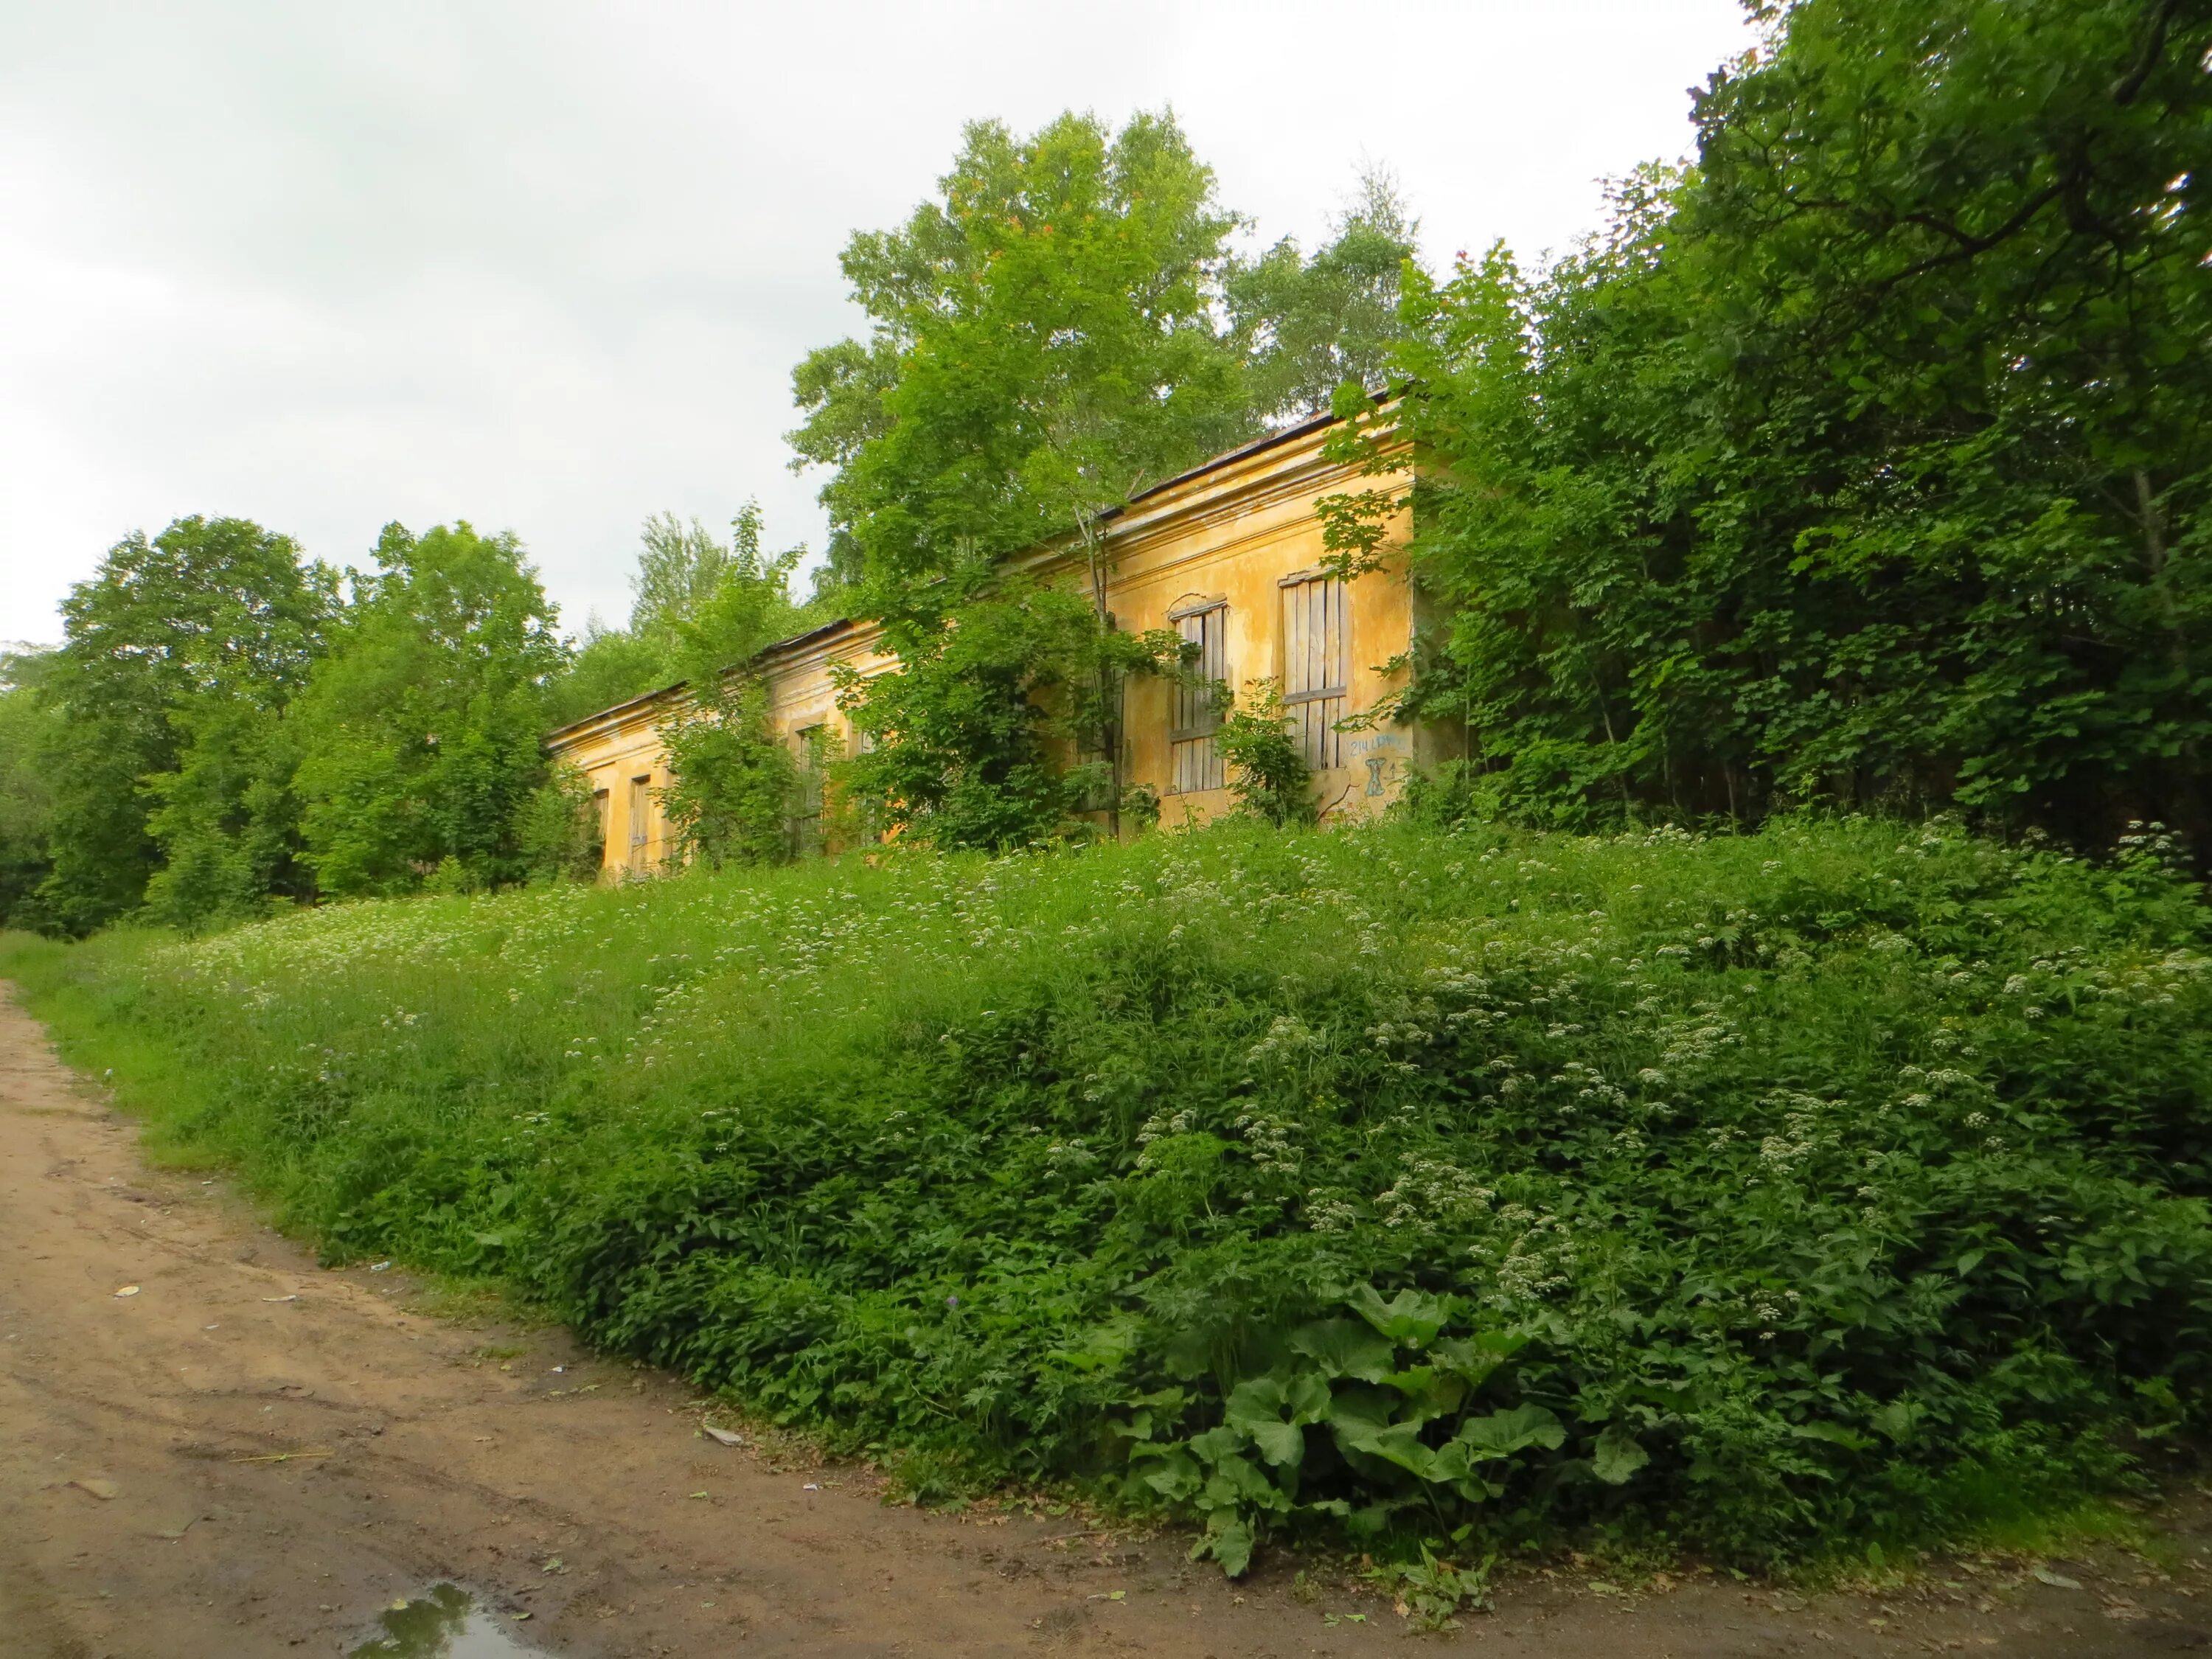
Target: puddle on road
(446, 1624)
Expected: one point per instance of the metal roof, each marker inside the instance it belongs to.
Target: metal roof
(1267, 440)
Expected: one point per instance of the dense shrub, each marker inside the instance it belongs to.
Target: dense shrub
(1859, 461)
(1843, 1182)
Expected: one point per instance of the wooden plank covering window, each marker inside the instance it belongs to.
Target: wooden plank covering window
(1194, 755)
(1315, 652)
(640, 819)
(813, 757)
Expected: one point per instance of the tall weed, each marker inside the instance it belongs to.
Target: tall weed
(1776, 1193)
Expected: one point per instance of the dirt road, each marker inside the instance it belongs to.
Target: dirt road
(247, 1455)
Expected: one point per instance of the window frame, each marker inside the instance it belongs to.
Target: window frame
(812, 743)
(1327, 661)
(1194, 761)
(640, 819)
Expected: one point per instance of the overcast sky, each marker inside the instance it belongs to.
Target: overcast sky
(546, 265)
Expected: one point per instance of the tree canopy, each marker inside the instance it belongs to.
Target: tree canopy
(1863, 462)
(1044, 341)
(1063, 325)
(171, 652)
(27, 738)
(1307, 326)
(419, 734)
(700, 604)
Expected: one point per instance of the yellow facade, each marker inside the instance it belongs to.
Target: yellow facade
(1230, 554)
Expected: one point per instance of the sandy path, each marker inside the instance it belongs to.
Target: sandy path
(149, 1511)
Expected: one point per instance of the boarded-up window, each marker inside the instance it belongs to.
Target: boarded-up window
(1315, 652)
(806, 818)
(1195, 756)
(640, 819)
(602, 811)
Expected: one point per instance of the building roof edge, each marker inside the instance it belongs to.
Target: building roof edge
(1266, 441)
(614, 712)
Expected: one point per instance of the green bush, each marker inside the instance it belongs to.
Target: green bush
(1267, 770)
(734, 784)
(1774, 1195)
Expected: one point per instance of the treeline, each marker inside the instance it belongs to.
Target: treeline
(229, 725)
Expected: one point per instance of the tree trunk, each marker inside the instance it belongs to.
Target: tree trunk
(1109, 691)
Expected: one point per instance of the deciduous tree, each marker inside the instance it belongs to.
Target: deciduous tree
(1865, 462)
(419, 733)
(172, 651)
(733, 779)
(1046, 341)
(26, 797)
(1309, 326)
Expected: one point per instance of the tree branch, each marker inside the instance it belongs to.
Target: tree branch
(2154, 42)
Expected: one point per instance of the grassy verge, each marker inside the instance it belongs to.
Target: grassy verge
(1772, 1196)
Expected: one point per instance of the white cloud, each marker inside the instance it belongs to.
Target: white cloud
(546, 263)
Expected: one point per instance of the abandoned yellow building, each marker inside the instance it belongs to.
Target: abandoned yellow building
(1230, 554)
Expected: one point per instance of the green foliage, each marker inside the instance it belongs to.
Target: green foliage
(737, 599)
(1042, 343)
(227, 820)
(1771, 1195)
(222, 730)
(1308, 327)
(679, 575)
(611, 666)
(559, 828)
(1433, 1591)
(735, 782)
(1267, 771)
(967, 741)
(1865, 462)
(1061, 328)
(175, 654)
(1139, 808)
(27, 738)
(1045, 341)
(702, 607)
(418, 733)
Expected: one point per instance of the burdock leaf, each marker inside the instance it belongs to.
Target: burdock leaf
(1617, 1457)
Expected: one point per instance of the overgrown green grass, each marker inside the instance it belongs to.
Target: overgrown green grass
(1772, 1195)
